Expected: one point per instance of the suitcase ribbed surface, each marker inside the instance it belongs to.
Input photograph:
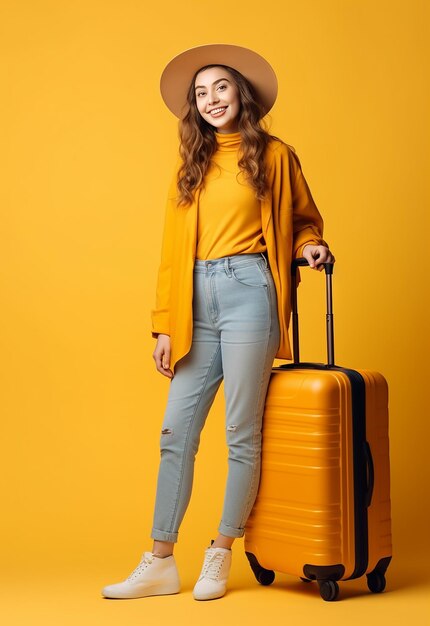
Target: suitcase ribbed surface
(304, 507)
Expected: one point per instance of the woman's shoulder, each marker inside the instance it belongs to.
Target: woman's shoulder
(279, 150)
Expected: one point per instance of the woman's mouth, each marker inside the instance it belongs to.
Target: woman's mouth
(218, 112)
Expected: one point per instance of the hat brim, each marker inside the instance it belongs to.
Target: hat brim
(178, 73)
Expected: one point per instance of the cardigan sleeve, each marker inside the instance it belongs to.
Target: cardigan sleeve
(308, 224)
(160, 314)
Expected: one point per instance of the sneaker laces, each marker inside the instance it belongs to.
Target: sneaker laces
(146, 560)
(212, 565)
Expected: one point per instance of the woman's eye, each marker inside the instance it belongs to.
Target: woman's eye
(222, 86)
(201, 93)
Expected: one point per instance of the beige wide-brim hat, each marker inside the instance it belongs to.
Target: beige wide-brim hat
(178, 73)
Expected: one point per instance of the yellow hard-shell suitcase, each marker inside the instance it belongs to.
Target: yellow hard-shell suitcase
(323, 511)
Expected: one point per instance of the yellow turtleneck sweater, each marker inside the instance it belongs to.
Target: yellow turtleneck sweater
(229, 214)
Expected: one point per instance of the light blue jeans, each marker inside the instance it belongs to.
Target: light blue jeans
(236, 337)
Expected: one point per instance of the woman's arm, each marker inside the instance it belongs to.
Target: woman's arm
(160, 315)
(308, 223)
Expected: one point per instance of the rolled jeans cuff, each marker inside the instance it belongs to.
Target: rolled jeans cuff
(161, 535)
(229, 531)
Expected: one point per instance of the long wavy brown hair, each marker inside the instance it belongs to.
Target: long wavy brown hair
(198, 141)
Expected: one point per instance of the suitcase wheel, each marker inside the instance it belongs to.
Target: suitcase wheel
(329, 589)
(263, 576)
(376, 581)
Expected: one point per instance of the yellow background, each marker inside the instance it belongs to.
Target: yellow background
(87, 152)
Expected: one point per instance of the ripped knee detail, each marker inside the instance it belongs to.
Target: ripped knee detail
(232, 428)
(167, 431)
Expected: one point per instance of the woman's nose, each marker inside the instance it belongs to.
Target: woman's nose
(213, 98)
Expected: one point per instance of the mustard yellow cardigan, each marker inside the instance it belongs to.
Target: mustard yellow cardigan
(290, 220)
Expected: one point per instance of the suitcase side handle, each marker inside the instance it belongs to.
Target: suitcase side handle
(370, 473)
(328, 267)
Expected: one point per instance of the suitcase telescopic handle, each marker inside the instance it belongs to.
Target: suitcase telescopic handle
(328, 267)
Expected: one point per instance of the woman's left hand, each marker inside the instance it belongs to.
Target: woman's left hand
(317, 255)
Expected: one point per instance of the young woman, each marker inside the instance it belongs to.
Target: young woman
(239, 210)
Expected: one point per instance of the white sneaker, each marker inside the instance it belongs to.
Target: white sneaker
(212, 582)
(152, 577)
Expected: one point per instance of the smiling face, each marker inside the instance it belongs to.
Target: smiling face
(217, 99)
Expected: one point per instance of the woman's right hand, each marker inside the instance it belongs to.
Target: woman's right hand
(161, 355)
